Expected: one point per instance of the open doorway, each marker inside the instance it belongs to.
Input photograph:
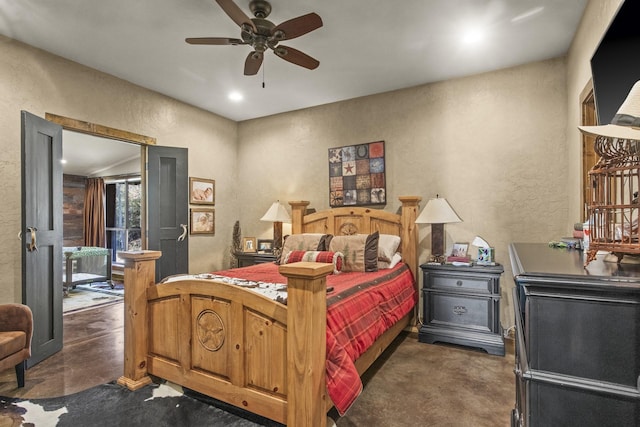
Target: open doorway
(114, 159)
(102, 205)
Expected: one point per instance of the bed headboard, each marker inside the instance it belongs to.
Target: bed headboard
(356, 220)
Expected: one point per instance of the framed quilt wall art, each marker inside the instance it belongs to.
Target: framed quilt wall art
(357, 175)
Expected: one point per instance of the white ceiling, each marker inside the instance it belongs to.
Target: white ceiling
(89, 155)
(364, 47)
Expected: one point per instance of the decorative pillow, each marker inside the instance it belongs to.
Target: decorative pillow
(334, 258)
(325, 240)
(303, 242)
(360, 251)
(387, 246)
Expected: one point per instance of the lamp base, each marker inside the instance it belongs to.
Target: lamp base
(437, 241)
(277, 235)
(438, 259)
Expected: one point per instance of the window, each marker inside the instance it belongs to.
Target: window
(123, 200)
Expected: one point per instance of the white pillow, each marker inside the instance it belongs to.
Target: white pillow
(387, 246)
(395, 259)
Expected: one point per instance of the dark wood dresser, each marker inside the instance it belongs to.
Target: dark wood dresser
(577, 339)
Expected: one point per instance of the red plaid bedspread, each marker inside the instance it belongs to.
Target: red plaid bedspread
(361, 307)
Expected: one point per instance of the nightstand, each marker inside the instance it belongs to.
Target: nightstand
(461, 305)
(245, 259)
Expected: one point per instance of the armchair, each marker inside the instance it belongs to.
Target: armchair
(16, 329)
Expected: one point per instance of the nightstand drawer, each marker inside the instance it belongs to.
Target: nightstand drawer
(479, 284)
(476, 313)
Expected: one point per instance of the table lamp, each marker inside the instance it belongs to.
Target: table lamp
(437, 212)
(276, 214)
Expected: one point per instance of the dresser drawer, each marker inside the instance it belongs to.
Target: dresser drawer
(464, 283)
(450, 310)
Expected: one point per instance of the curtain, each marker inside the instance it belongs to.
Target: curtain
(94, 213)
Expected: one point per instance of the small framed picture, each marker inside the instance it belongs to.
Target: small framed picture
(248, 244)
(203, 221)
(202, 191)
(459, 249)
(265, 246)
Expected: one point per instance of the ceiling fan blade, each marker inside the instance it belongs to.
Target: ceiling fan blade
(235, 13)
(213, 40)
(252, 63)
(299, 26)
(296, 57)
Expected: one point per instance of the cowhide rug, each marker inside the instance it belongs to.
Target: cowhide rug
(111, 405)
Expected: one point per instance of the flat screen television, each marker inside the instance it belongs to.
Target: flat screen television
(615, 65)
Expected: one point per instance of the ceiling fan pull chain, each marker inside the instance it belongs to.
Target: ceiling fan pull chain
(263, 67)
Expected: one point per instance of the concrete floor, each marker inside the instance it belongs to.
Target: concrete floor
(411, 384)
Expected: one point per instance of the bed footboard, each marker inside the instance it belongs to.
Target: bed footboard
(230, 343)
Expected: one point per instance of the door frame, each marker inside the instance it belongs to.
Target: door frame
(588, 117)
(95, 129)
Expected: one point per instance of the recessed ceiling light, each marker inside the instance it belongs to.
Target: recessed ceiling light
(472, 36)
(63, 161)
(236, 96)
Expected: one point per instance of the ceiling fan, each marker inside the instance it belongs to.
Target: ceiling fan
(262, 34)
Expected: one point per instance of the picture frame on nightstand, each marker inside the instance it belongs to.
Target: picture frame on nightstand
(459, 253)
(249, 244)
(265, 246)
(459, 249)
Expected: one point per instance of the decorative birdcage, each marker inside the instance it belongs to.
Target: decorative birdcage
(613, 208)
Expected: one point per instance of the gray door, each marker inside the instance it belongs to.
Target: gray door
(167, 207)
(42, 233)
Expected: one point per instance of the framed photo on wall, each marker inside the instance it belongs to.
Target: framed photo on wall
(202, 191)
(202, 221)
(248, 244)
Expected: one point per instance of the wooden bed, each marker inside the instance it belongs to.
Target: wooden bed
(240, 347)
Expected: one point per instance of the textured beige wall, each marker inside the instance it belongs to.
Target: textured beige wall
(594, 24)
(493, 145)
(502, 147)
(38, 82)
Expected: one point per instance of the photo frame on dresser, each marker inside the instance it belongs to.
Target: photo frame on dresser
(357, 175)
(202, 191)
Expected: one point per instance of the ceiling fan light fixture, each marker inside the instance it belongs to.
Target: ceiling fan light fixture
(261, 34)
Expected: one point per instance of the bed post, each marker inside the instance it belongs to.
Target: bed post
(410, 232)
(298, 210)
(139, 274)
(306, 342)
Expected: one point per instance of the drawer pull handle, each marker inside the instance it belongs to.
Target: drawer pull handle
(459, 283)
(459, 309)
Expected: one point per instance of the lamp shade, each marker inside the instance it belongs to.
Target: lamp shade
(276, 213)
(437, 211)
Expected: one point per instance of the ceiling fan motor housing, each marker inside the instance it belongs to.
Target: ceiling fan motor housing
(260, 8)
(262, 34)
